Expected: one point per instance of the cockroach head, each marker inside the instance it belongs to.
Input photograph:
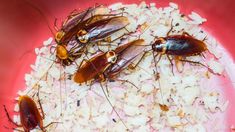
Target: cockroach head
(59, 36)
(159, 45)
(82, 36)
(111, 56)
(159, 41)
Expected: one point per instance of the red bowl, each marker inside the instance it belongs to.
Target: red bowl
(22, 28)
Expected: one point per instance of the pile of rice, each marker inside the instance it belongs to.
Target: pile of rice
(193, 104)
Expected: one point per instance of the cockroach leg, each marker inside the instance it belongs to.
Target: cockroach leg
(90, 85)
(136, 65)
(40, 105)
(50, 124)
(205, 38)
(9, 118)
(90, 20)
(79, 54)
(99, 43)
(101, 78)
(195, 62)
(76, 64)
(70, 59)
(82, 62)
(55, 25)
(97, 5)
(74, 48)
(202, 55)
(107, 45)
(162, 106)
(15, 129)
(172, 69)
(142, 57)
(168, 33)
(122, 9)
(107, 90)
(74, 12)
(186, 34)
(158, 58)
(107, 39)
(117, 38)
(155, 63)
(122, 14)
(127, 30)
(52, 49)
(85, 14)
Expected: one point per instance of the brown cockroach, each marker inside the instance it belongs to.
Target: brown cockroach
(76, 20)
(30, 116)
(95, 67)
(111, 62)
(106, 65)
(179, 46)
(84, 34)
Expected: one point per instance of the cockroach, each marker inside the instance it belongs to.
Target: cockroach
(95, 67)
(84, 33)
(180, 46)
(30, 116)
(101, 29)
(108, 64)
(76, 20)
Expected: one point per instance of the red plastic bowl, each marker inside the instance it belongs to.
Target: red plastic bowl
(22, 28)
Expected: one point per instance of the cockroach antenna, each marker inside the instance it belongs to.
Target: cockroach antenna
(42, 14)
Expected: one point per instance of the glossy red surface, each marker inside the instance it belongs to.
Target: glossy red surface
(22, 29)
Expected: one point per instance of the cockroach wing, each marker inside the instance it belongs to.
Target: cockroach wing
(89, 25)
(127, 56)
(83, 16)
(184, 45)
(29, 114)
(91, 68)
(106, 27)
